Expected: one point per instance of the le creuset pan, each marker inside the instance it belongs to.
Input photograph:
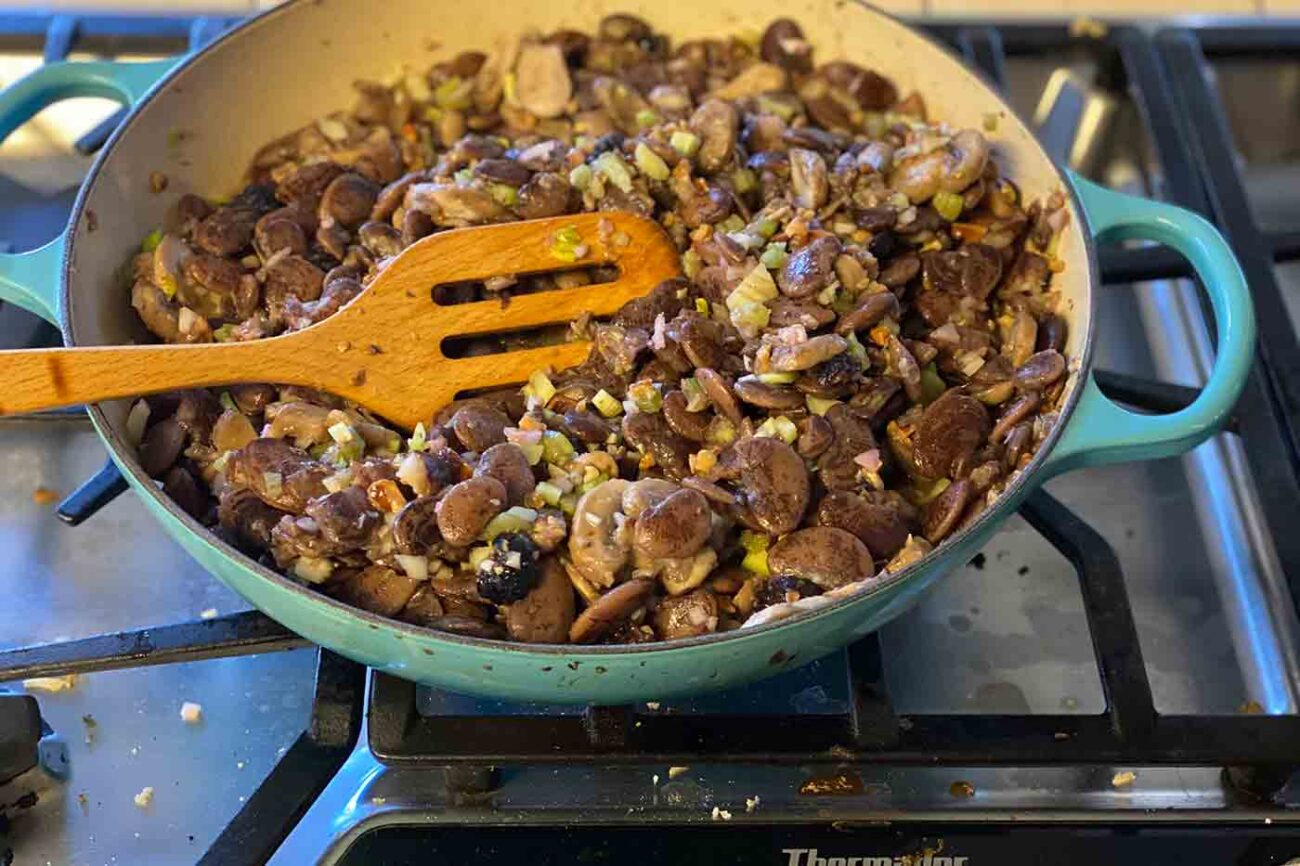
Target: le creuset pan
(200, 118)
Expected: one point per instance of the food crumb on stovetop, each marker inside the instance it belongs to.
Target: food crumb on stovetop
(654, 780)
(721, 814)
(751, 803)
(157, 182)
(51, 684)
(45, 495)
(90, 724)
(652, 705)
(145, 797)
(191, 713)
(1123, 779)
(83, 801)
(208, 613)
(674, 772)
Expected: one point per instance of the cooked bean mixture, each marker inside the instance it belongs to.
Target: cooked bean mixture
(863, 351)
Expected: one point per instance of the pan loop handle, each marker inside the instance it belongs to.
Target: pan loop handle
(1101, 432)
(31, 279)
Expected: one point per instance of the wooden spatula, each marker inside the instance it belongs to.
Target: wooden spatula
(385, 349)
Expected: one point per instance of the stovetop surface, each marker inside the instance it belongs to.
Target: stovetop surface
(1006, 634)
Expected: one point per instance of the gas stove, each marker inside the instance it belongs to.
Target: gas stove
(1114, 678)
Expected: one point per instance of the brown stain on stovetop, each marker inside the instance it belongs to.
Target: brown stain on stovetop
(838, 785)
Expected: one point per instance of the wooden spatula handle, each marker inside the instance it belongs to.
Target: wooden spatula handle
(46, 378)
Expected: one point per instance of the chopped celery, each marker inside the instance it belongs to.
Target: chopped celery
(948, 204)
(454, 94)
(477, 555)
(567, 245)
(744, 181)
(464, 176)
(720, 432)
(774, 256)
(691, 264)
(819, 405)
(767, 226)
(650, 163)
(702, 306)
(223, 334)
(580, 177)
(696, 400)
(857, 351)
(612, 167)
(548, 493)
(539, 387)
(685, 143)
(227, 402)
(568, 504)
(776, 378)
(732, 223)
(645, 117)
(532, 451)
(342, 433)
(755, 547)
(517, 519)
(556, 448)
(606, 404)
(747, 302)
(504, 194)
(151, 241)
(646, 396)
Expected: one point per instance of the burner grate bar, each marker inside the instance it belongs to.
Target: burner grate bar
(221, 637)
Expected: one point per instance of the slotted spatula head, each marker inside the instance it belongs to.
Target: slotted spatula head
(387, 349)
(397, 364)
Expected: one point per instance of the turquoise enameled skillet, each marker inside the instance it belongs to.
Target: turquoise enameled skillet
(200, 118)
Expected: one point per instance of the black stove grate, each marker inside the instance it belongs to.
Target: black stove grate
(1167, 74)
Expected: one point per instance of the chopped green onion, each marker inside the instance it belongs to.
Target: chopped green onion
(948, 204)
(556, 448)
(606, 404)
(580, 176)
(776, 378)
(548, 493)
(151, 241)
(612, 167)
(646, 396)
(650, 163)
(774, 256)
(685, 143)
(419, 438)
(516, 519)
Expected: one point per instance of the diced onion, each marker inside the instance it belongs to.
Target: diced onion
(416, 567)
(274, 483)
(312, 570)
(606, 404)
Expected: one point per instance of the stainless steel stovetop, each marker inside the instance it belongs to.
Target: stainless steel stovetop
(1007, 634)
